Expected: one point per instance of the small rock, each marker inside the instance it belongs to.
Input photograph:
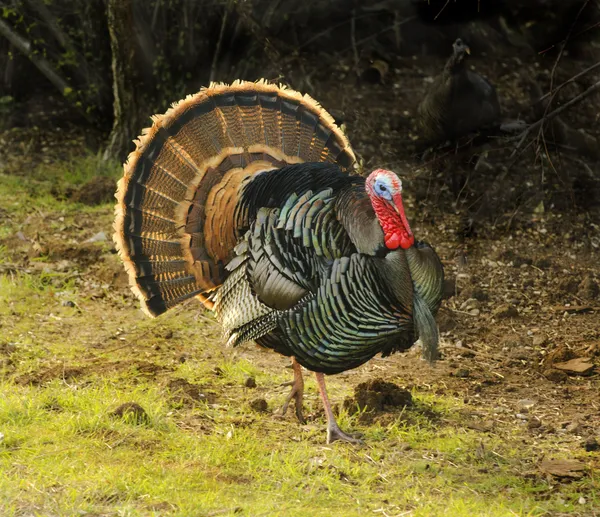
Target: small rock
(577, 366)
(1, 437)
(98, 237)
(471, 303)
(526, 403)
(591, 444)
(259, 405)
(477, 294)
(554, 375)
(68, 303)
(182, 358)
(463, 373)
(250, 382)
(588, 289)
(505, 311)
(534, 424)
(582, 500)
(131, 412)
(574, 428)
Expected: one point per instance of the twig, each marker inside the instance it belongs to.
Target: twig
(332, 27)
(382, 31)
(442, 9)
(213, 68)
(553, 72)
(564, 45)
(568, 81)
(555, 113)
(353, 39)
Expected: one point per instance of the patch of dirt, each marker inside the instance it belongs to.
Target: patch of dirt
(186, 394)
(96, 366)
(67, 373)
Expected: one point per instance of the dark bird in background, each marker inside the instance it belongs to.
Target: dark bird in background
(458, 102)
(242, 196)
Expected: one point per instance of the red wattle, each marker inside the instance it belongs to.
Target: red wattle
(396, 230)
(393, 241)
(407, 241)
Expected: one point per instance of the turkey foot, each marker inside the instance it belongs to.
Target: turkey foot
(297, 392)
(334, 433)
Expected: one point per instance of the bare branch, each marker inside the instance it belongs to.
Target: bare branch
(553, 114)
(564, 45)
(568, 81)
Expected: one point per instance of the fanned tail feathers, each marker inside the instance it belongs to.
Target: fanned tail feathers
(176, 218)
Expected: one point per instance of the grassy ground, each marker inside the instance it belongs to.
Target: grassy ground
(74, 347)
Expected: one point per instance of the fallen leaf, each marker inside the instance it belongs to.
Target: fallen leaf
(563, 468)
(578, 366)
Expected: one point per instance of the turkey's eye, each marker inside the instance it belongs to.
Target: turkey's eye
(383, 191)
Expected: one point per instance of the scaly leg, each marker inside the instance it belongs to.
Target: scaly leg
(334, 433)
(297, 392)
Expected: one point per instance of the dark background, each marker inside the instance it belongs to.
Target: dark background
(63, 63)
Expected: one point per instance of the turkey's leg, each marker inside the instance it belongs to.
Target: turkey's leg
(297, 392)
(334, 433)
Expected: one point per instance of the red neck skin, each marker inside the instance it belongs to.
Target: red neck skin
(397, 233)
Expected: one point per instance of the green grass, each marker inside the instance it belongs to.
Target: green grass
(63, 371)
(64, 453)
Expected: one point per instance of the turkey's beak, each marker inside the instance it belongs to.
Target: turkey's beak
(468, 51)
(399, 207)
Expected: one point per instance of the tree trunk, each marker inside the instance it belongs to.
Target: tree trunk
(126, 125)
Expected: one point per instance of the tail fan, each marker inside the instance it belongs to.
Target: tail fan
(176, 222)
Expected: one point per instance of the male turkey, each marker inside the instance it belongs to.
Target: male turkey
(242, 196)
(458, 102)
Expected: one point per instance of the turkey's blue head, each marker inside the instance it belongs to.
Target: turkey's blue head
(385, 191)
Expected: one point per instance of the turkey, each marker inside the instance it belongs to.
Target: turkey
(458, 102)
(243, 197)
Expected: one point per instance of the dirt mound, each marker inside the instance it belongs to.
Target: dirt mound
(131, 412)
(98, 190)
(378, 396)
